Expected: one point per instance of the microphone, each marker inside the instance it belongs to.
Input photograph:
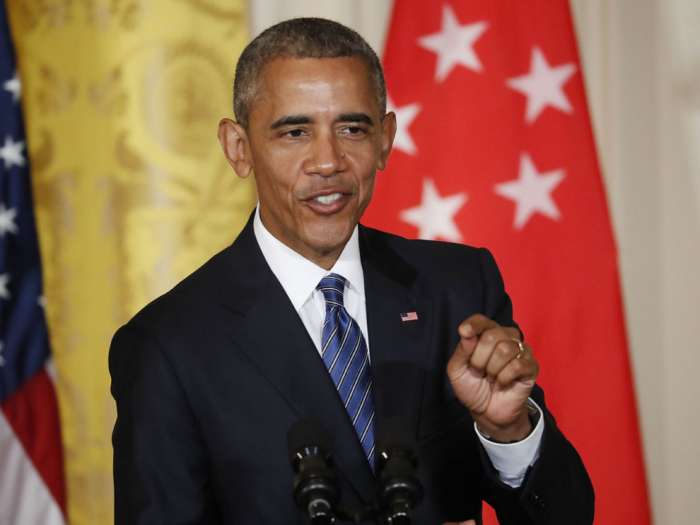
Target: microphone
(315, 490)
(399, 489)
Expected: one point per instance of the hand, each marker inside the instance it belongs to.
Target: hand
(492, 378)
(470, 522)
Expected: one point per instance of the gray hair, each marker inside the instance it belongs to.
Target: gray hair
(301, 38)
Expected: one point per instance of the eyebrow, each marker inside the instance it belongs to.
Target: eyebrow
(296, 120)
(290, 120)
(355, 117)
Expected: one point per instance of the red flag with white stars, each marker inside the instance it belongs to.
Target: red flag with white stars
(494, 148)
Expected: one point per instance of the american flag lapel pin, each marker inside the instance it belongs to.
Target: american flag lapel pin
(408, 316)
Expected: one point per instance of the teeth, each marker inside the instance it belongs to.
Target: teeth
(328, 199)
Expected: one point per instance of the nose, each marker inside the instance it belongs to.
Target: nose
(326, 157)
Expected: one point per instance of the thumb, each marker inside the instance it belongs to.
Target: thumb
(459, 361)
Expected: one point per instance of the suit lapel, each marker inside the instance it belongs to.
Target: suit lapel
(392, 290)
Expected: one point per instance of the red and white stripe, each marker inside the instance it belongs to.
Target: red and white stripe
(32, 490)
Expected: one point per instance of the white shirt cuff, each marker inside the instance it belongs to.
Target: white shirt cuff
(511, 460)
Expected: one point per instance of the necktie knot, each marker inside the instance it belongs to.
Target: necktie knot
(332, 287)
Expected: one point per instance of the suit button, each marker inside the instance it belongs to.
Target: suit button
(537, 500)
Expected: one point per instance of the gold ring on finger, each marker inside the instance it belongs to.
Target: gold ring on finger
(521, 348)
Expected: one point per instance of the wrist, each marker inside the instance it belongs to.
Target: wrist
(512, 432)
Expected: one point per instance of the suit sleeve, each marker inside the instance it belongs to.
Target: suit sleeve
(160, 472)
(557, 488)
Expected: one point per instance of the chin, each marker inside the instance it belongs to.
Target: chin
(330, 239)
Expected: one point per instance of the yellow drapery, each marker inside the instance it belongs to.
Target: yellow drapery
(121, 101)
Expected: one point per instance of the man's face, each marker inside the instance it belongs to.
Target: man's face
(315, 140)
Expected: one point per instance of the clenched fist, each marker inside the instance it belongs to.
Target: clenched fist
(492, 373)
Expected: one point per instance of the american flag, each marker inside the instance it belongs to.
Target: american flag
(31, 464)
(409, 316)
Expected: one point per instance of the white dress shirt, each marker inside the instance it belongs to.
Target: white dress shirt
(299, 278)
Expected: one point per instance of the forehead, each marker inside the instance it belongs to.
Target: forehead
(310, 85)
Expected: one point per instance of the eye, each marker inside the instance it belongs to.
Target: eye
(294, 133)
(353, 131)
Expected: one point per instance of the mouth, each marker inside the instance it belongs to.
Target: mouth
(328, 202)
(328, 199)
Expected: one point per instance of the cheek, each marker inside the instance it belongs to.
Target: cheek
(367, 192)
(366, 179)
(275, 180)
(285, 180)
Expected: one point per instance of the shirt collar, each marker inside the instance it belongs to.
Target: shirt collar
(299, 276)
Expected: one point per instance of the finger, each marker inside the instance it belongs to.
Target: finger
(468, 331)
(504, 351)
(486, 345)
(524, 369)
(475, 325)
(469, 522)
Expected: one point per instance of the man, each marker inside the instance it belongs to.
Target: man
(297, 316)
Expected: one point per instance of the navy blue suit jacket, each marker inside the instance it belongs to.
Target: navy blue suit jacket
(209, 377)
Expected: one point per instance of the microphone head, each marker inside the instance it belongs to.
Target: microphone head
(307, 433)
(398, 387)
(315, 490)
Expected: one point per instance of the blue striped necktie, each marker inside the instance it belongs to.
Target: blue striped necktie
(344, 353)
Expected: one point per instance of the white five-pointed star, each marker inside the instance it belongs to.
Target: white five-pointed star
(404, 118)
(14, 86)
(7, 220)
(434, 216)
(4, 279)
(532, 192)
(11, 153)
(454, 44)
(543, 86)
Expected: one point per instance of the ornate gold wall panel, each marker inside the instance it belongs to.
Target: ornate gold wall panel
(122, 100)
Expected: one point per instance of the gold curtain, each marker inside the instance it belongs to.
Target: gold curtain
(121, 100)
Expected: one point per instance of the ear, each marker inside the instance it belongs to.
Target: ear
(388, 133)
(234, 141)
